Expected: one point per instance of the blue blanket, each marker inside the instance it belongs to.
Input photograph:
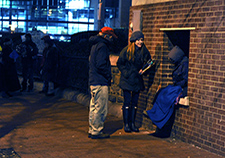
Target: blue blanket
(163, 105)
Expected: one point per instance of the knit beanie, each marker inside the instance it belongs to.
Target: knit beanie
(136, 35)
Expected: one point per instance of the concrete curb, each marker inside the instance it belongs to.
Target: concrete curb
(81, 98)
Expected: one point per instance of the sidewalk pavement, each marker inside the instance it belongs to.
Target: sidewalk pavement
(33, 125)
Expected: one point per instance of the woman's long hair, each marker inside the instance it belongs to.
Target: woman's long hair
(130, 51)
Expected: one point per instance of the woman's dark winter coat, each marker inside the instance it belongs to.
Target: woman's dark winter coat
(50, 65)
(130, 78)
(9, 78)
(99, 63)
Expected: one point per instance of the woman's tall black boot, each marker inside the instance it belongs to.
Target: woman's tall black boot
(133, 112)
(126, 119)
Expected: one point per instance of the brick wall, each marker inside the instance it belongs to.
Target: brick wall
(115, 92)
(203, 123)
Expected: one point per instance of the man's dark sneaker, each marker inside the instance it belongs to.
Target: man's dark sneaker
(100, 136)
(89, 135)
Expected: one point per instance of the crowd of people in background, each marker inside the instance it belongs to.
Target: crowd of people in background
(27, 51)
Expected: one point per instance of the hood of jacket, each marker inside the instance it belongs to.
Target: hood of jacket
(176, 55)
(96, 39)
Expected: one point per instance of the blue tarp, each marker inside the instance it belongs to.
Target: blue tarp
(163, 105)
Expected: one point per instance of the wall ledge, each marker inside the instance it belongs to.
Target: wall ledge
(177, 29)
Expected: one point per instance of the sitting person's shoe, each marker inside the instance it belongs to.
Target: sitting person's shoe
(100, 136)
(89, 135)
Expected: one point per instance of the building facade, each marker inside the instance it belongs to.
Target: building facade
(61, 18)
(198, 27)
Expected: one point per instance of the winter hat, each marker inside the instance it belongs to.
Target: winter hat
(109, 31)
(136, 35)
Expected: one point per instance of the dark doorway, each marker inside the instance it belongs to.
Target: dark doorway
(181, 39)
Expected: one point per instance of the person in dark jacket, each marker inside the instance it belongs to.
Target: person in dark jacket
(162, 113)
(180, 72)
(99, 81)
(131, 60)
(28, 55)
(9, 78)
(49, 66)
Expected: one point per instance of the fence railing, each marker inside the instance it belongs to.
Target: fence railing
(72, 71)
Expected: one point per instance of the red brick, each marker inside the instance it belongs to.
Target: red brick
(206, 60)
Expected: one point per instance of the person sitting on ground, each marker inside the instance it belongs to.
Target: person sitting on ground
(162, 113)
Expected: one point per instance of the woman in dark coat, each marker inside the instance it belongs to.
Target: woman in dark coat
(131, 60)
(10, 81)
